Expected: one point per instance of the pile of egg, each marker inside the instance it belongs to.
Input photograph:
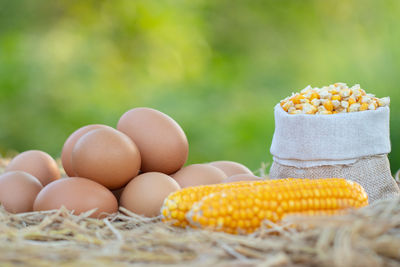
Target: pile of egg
(136, 166)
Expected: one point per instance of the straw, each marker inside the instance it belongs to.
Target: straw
(366, 237)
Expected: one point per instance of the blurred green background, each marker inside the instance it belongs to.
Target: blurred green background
(216, 67)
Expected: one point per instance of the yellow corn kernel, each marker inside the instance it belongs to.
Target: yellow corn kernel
(287, 105)
(314, 200)
(328, 105)
(296, 99)
(352, 101)
(336, 97)
(325, 112)
(333, 91)
(364, 106)
(314, 95)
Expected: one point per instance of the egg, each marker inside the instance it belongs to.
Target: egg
(199, 174)
(146, 193)
(241, 177)
(37, 163)
(78, 195)
(230, 167)
(106, 156)
(161, 141)
(70, 143)
(18, 191)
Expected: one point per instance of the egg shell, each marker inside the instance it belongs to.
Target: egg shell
(161, 141)
(78, 195)
(66, 154)
(230, 167)
(106, 156)
(18, 191)
(241, 177)
(145, 194)
(37, 163)
(199, 174)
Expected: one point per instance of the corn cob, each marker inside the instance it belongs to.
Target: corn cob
(178, 203)
(230, 207)
(242, 210)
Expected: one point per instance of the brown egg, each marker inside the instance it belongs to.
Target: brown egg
(146, 193)
(241, 177)
(78, 195)
(199, 174)
(161, 141)
(18, 191)
(37, 163)
(70, 143)
(106, 156)
(230, 167)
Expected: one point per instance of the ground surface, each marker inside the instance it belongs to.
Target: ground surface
(367, 237)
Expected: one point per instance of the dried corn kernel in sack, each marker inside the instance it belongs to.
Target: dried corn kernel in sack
(354, 142)
(335, 98)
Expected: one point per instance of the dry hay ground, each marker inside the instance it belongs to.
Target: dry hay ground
(367, 237)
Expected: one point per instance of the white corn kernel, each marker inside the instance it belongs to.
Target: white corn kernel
(345, 93)
(309, 109)
(341, 85)
(291, 110)
(366, 99)
(372, 106)
(384, 102)
(335, 103)
(323, 101)
(344, 104)
(306, 89)
(341, 110)
(325, 94)
(296, 112)
(355, 87)
(356, 94)
(354, 107)
(287, 105)
(316, 102)
(305, 100)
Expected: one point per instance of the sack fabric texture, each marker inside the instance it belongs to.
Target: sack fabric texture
(353, 146)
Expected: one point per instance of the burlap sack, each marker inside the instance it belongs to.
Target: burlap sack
(352, 146)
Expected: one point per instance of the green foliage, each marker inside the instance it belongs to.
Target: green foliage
(216, 67)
